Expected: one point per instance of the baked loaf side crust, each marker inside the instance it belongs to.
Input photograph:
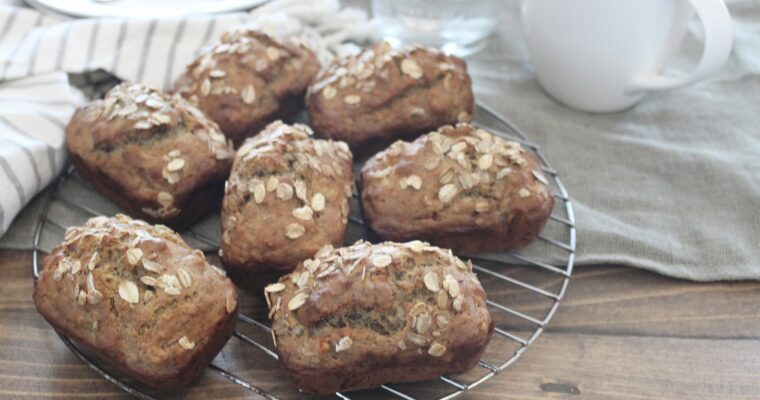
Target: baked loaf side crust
(137, 296)
(464, 188)
(380, 95)
(154, 155)
(287, 197)
(247, 80)
(364, 315)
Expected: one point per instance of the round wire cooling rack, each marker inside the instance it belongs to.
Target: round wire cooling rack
(524, 290)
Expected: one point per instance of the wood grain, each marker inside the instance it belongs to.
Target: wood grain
(620, 333)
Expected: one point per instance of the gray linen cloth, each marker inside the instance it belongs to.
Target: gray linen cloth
(671, 185)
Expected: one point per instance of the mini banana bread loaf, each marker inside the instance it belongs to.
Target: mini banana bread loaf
(381, 94)
(138, 297)
(364, 315)
(464, 189)
(247, 80)
(287, 197)
(154, 155)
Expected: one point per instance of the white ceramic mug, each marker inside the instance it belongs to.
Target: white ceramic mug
(606, 55)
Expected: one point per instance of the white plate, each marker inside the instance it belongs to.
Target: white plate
(142, 8)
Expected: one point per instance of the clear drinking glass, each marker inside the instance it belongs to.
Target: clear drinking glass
(459, 27)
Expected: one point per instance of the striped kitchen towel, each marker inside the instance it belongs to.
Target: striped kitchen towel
(40, 55)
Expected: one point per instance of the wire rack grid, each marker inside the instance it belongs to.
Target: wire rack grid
(553, 254)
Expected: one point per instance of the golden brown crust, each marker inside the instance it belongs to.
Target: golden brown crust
(138, 297)
(381, 95)
(156, 156)
(364, 315)
(247, 80)
(287, 197)
(465, 189)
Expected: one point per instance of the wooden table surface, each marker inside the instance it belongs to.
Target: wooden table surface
(619, 333)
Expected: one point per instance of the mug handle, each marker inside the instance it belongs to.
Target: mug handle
(719, 38)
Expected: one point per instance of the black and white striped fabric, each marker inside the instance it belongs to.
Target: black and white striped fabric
(39, 53)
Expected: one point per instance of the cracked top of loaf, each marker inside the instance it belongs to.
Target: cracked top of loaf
(367, 314)
(137, 295)
(148, 151)
(383, 94)
(465, 188)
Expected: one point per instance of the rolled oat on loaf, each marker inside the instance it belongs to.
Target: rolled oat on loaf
(382, 94)
(463, 188)
(247, 80)
(139, 298)
(359, 316)
(288, 195)
(154, 155)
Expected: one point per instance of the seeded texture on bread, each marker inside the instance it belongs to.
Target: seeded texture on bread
(287, 197)
(154, 155)
(247, 80)
(364, 315)
(380, 95)
(138, 297)
(463, 188)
